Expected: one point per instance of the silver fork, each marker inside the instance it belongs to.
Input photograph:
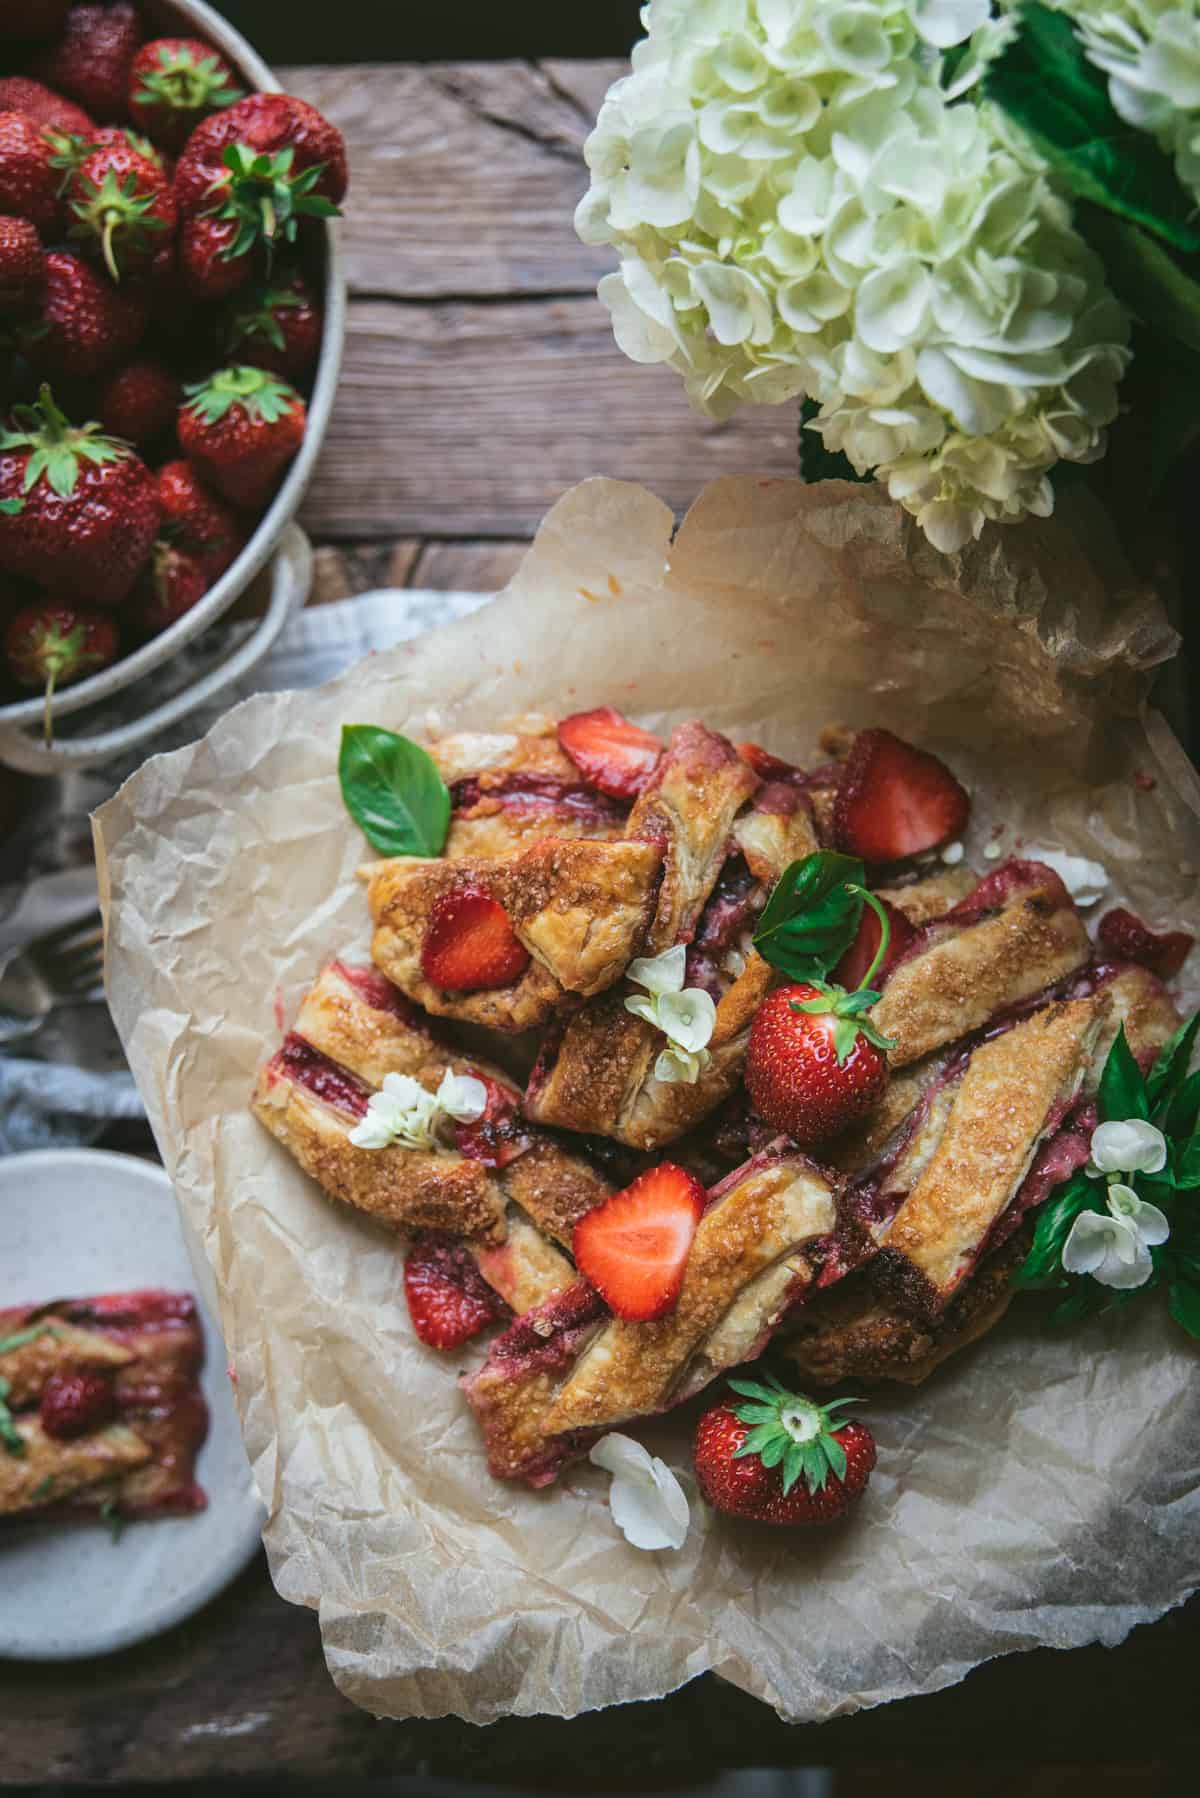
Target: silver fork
(61, 968)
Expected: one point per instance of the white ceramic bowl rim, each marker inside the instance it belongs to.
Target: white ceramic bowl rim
(203, 21)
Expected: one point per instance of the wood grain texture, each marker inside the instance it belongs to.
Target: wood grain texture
(465, 176)
(469, 420)
(242, 1690)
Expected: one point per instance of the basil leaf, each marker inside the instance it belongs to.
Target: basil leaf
(1171, 1064)
(1084, 1298)
(1045, 82)
(1178, 1114)
(1055, 1217)
(810, 920)
(11, 508)
(393, 791)
(1122, 1089)
(1187, 1168)
(9, 1343)
(1183, 1302)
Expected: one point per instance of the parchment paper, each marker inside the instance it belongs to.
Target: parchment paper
(1036, 1491)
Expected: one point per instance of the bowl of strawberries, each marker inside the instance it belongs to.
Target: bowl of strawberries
(172, 314)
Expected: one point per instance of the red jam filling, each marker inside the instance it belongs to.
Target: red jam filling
(500, 1135)
(733, 903)
(379, 993)
(324, 1079)
(534, 795)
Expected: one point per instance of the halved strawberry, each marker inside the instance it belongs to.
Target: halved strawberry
(611, 753)
(769, 766)
(1122, 935)
(470, 944)
(894, 800)
(634, 1247)
(448, 1299)
(851, 970)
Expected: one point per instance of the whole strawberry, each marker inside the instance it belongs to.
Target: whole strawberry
(195, 520)
(139, 402)
(48, 110)
(812, 1065)
(172, 582)
(70, 150)
(88, 511)
(32, 18)
(74, 1404)
(779, 1458)
(85, 325)
(241, 428)
(275, 325)
(28, 184)
(174, 82)
(247, 177)
(123, 208)
(50, 644)
(92, 57)
(22, 265)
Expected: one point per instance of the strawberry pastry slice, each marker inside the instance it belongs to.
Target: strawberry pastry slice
(100, 1406)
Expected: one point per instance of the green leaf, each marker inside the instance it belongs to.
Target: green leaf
(1043, 1263)
(11, 507)
(818, 463)
(1083, 1299)
(811, 918)
(9, 1343)
(1044, 81)
(11, 1437)
(393, 791)
(1122, 1087)
(111, 1513)
(1171, 1063)
(1187, 1167)
(43, 1489)
(1183, 1302)
(1162, 288)
(1181, 1111)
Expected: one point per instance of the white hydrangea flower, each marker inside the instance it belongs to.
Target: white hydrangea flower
(407, 1113)
(648, 1504)
(1150, 51)
(798, 211)
(685, 1015)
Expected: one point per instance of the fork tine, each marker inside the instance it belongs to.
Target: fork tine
(83, 948)
(64, 934)
(85, 973)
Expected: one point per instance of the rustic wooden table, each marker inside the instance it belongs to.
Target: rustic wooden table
(481, 380)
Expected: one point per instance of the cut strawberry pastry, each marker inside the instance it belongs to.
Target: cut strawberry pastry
(732, 965)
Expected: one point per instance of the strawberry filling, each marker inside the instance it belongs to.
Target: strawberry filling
(380, 994)
(534, 795)
(500, 1135)
(734, 902)
(449, 1301)
(325, 1079)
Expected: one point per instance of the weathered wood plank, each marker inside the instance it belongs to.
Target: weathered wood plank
(468, 420)
(465, 177)
(467, 567)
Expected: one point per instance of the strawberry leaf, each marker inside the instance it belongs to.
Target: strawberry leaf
(393, 791)
(811, 918)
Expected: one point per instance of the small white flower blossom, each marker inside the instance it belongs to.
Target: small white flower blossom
(1149, 1222)
(685, 1015)
(1109, 1248)
(1131, 1147)
(800, 211)
(648, 1504)
(407, 1113)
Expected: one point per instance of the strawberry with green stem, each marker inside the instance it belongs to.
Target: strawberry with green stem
(53, 643)
(276, 325)
(780, 1458)
(88, 513)
(174, 82)
(241, 428)
(123, 208)
(247, 178)
(814, 1061)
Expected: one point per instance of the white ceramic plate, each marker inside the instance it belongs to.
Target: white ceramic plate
(74, 1222)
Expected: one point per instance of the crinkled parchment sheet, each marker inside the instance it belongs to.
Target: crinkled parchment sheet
(1036, 1491)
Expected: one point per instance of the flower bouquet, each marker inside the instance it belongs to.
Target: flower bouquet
(964, 234)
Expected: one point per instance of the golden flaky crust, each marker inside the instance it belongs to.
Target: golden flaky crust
(580, 909)
(965, 976)
(69, 1466)
(1015, 1090)
(402, 1188)
(1141, 1003)
(923, 900)
(484, 825)
(525, 1269)
(57, 1345)
(554, 1187)
(850, 1333)
(631, 1369)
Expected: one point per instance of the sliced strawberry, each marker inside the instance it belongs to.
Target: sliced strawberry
(1124, 937)
(769, 766)
(470, 943)
(894, 800)
(611, 753)
(500, 1135)
(449, 1301)
(861, 953)
(635, 1246)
